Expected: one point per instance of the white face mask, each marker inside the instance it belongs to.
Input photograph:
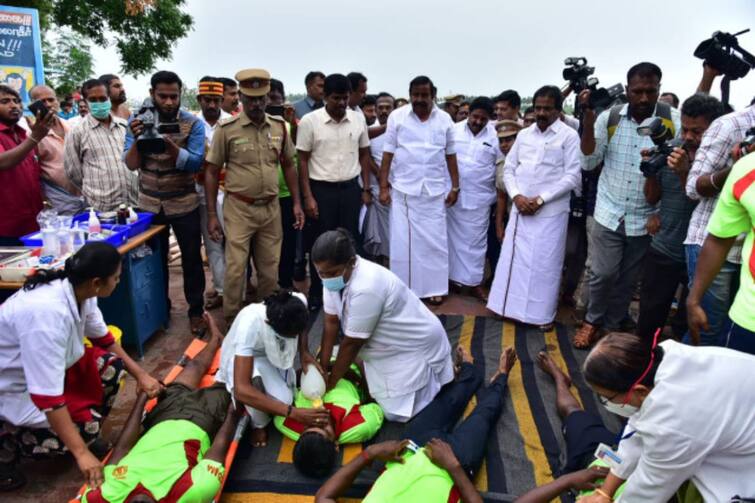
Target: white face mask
(280, 350)
(624, 410)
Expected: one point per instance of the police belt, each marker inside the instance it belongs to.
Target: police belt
(254, 201)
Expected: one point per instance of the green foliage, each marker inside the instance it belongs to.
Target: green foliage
(141, 38)
(189, 99)
(68, 62)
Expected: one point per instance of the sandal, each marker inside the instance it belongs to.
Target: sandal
(586, 336)
(435, 300)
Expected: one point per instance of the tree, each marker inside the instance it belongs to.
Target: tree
(189, 99)
(143, 31)
(68, 62)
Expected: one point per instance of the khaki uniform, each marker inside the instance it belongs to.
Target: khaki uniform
(251, 211)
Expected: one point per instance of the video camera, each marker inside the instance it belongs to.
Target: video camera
(723, 52)
(664, 145)
(151, 140)
(578, 74)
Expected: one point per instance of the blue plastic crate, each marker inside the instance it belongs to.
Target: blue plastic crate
(143, 221)
(34, 240)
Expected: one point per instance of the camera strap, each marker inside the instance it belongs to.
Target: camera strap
(662, 110)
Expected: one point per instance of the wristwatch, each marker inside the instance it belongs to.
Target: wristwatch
(539, 201)
(455, 189)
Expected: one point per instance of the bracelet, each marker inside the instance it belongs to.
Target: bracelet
(33, 139)
(365, 456)
(710, 179)
(603, 493)
(290, 409)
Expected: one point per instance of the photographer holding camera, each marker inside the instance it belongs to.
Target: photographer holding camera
(708, 321)
(167, 144)
(665, 264)
(619, 239)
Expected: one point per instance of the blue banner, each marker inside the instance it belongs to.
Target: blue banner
(21, 64)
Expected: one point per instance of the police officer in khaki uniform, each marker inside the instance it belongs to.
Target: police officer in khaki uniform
(250, 146)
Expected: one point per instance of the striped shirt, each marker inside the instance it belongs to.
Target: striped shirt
(620, 187)
(714, 155)
(93, 162)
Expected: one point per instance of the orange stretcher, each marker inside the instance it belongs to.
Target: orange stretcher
(192, 351)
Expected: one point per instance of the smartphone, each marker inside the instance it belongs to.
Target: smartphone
(39, 109)
(275, 110)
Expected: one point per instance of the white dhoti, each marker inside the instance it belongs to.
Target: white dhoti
(278, 383)
(376, 228)
(467, 244)
(419, 242)
(528, 274)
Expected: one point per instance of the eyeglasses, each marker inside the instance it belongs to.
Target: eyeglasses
(604, 401)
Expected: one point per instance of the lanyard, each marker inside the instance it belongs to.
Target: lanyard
(620, 437)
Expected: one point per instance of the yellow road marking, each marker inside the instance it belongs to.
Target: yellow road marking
(555, 351)
(533, 447)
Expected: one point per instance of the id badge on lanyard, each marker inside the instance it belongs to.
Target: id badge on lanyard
(609, 455)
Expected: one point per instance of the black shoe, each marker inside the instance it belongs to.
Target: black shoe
(10, 477)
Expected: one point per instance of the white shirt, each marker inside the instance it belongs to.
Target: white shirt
(546, 164)
(209, 129)
(333, 146)
(41, 335)
(420, 150)
(476, 156)
(571, 121)
(377, 145)
(697, 423)
(244, 339)
(406, 343)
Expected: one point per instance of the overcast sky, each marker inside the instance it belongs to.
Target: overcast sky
(473, 47)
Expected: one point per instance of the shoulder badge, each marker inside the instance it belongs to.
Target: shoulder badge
(227, 120)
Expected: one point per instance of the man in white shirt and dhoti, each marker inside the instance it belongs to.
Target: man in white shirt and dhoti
(418, 158)
(541, 170)
(477, 150)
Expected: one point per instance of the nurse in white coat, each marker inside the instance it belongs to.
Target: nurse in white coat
(691, 417)
(257, 362)
(405, 350)
(54, 392)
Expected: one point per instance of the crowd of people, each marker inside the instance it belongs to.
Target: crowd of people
(387, 205)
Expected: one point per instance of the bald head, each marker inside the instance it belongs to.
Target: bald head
(40, 90)
(46, 95)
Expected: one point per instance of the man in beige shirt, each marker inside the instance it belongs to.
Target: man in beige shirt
(333, 149)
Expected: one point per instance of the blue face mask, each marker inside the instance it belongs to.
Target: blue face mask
(99, 109)
(334, 284)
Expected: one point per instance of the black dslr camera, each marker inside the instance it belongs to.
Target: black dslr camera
(578, 74)
(151, 140)
(723, 52)
(664, 145)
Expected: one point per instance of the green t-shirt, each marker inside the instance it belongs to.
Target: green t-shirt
(417, 479)
(618, 492)
(167, 458)
(354, 422)
(735, 214)
(282, 185)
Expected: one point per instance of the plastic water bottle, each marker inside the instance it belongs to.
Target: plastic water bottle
(313, 385)
(94, 222)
